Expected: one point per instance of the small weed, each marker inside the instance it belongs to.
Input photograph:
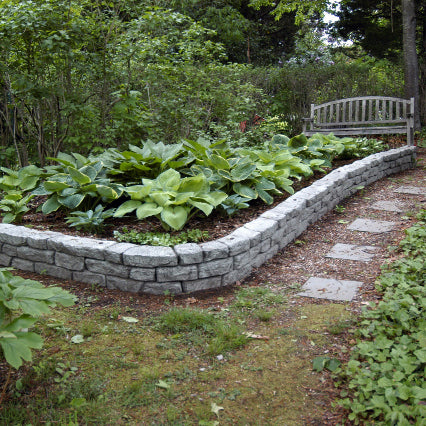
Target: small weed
(339, 327)
(264, 315)
(178, 320)
(87, 330)
(227, 338)
(160, 238)
(257, 297)
(339, 209)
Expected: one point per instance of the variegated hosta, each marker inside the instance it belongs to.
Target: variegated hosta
(171, 198)
(78, 185)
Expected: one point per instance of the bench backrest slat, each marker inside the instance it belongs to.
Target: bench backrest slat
(368, 112)
(359, 110)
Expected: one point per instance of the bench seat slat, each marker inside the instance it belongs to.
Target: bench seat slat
(360, 131)
(362, 123)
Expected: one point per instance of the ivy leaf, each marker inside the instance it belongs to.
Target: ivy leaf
(130, 319)
(162, 384)
(215, 408)
(318, 364)
(78, 338)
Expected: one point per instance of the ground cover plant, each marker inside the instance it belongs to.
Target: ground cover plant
(386, 371)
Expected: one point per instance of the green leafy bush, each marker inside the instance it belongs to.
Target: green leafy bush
(146, 162)
(172, 199)
(14, 206)
(21, 302)
(77, 181)
(386, 371)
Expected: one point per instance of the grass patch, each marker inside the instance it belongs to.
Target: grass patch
(165, 368)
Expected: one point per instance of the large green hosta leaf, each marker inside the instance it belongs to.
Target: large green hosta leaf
(193, 184)
(244, 191)
(139, 192)
(175, 217)
(298, 141)
(79, 177)
(108, 193)
(71, 201)
(170, 179)
(55, 186)
(51, 205)
(162, 198)
(127, 207)
(148, 209)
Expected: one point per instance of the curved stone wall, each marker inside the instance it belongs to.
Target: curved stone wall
(191, 267)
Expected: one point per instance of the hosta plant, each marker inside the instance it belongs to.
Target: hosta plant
(21, 302)
(24, 179)
(145, 162)
(14, 205)
(75, 186)
(239, 172)
(172, 199)
(91, 220)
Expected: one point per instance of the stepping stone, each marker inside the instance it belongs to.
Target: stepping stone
(368, 225)
(389, 206)
(413, 190)
(325, 288)
(352, 252)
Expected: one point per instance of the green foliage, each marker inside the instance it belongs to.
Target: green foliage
(362, 147)
(24, 179)
(146, 162)
(14, 206)
(386, 370)
(160, 238)
(78, 181)
(222, 336)
(324, 362)
(172, 199)
(21, 302)
(251, 174)
(91, 220)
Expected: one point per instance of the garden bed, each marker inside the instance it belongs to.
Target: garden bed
(192, 267)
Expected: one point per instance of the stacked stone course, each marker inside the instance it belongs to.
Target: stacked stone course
(192, 267)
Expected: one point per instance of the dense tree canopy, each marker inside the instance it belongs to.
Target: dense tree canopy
(378, 28)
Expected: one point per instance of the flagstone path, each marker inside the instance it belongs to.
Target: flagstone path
(347, 290)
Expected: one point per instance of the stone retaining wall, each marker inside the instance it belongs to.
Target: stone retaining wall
(191, 267)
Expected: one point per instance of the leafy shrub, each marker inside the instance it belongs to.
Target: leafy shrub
(386, 371)
(362, 147)
(172, 199)
(21, 302)
(77, 181)
(14, 206)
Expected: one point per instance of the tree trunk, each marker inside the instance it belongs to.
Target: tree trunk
(411, 66)
(422, 64)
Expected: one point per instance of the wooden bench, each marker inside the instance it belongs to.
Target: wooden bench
(368, 115)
